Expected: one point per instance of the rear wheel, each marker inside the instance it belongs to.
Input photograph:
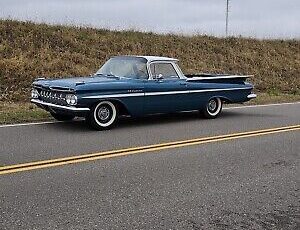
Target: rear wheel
(103, 115)
(213, 108)
(62, 117)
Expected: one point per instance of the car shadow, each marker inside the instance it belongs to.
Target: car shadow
(182, 117)
(79, 125)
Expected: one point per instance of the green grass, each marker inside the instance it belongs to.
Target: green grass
(29, 50)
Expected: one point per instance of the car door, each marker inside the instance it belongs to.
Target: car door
(165, 91)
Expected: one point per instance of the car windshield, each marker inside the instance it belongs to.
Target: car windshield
(127, 67)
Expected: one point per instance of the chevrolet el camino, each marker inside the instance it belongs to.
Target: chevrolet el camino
(138, 86)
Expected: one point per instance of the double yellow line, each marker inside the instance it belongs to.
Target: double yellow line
(149, 148)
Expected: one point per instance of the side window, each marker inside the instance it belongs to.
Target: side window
(165, 69)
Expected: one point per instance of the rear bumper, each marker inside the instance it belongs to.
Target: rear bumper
(251, 96)
(50, 106)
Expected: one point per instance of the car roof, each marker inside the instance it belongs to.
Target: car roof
(152, 58)
(157, 58)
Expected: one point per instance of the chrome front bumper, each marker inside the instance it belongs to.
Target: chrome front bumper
(68, 108)
(251, 96)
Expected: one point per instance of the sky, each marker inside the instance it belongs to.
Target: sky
(248, 18)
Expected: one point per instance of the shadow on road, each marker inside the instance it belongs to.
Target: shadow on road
(128, 122)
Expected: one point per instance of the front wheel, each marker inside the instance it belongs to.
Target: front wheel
(213, 108)
(103, 115)
(62, 117)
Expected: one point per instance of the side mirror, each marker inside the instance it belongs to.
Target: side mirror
(159, 77)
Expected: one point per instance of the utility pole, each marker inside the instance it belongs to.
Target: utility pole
(227, 16)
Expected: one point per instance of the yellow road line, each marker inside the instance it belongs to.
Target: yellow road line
(149, 148)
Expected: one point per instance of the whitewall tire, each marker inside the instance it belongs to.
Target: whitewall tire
(213, 108)
(103, 115)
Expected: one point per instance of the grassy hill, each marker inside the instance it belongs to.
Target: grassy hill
(29, 50)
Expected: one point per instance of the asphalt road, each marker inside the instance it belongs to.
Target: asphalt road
(248, 183)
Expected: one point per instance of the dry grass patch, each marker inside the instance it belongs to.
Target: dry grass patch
(21, 112)
(29, 50)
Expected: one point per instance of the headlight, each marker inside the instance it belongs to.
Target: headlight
(71, 99)
(34, 93)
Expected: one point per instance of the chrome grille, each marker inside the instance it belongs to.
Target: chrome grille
(52, 96)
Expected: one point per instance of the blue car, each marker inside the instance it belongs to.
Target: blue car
(138, 86)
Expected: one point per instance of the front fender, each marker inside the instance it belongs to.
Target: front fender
(133, 106)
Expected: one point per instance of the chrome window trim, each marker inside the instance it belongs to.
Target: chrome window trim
(181, 75)
(148, 70)
(164, 62)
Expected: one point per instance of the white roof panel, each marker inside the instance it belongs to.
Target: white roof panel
(157, 58)
(151, 58)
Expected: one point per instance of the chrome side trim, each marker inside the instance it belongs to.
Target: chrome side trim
(115, 96)
(251, 96)
(160, 93)
(192, 91)
(218, 90)
(79, 83)
(217, 78)
(73, 109)
(166, 93)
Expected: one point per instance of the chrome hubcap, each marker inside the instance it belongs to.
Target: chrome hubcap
(103, 113)
(212, 105)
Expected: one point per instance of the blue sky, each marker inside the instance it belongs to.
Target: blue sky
(254, 18)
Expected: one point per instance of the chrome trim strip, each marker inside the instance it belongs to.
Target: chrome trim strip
(217, 78)
(166, 93)
(251, 96)
(160, 93)
(192, 91)
(38, 87)
(217, 90)
(61, 89)
(79, 83)
(115, 96)
(40, 79)
(74, 109)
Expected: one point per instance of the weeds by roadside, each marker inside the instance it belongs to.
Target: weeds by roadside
(29, 50)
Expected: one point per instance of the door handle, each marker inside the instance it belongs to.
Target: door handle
(183, 83)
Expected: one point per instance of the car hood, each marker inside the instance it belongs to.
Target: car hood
(72, 82)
